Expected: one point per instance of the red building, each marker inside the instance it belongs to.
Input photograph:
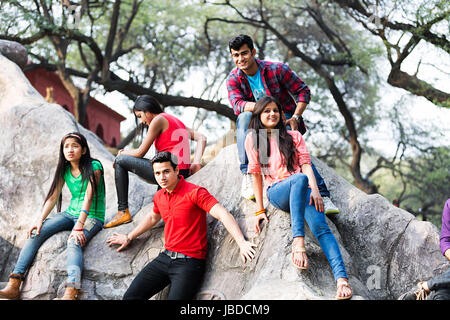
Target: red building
(100, 119)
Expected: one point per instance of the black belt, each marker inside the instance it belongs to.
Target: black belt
(175, 255)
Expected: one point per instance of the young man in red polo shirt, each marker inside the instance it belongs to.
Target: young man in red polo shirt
(182, 206)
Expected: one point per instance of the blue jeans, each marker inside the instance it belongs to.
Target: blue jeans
(241, 132)
(292, 195)
(242, 122)
(59, 222)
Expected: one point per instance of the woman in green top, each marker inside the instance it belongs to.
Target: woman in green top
(84, 217)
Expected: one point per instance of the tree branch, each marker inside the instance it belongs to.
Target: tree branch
(110, 39)
(132, 90)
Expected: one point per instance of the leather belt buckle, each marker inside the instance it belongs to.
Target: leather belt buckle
(175, 255)
(171, 254)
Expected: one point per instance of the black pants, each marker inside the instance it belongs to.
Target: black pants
(139, 166)
(440, 286)
(184, 276)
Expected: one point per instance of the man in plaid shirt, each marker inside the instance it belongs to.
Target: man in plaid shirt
(252, 79)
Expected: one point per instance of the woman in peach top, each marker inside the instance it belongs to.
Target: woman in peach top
(281, 158)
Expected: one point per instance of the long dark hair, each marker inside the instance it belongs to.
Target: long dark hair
(261, 140)
(146, 103)
(85, 165)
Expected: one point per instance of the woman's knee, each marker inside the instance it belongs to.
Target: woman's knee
(299, 179)
(34, 236)
(72, 244)
(119, 160)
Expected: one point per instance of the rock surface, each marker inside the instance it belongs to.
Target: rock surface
(385, 249)
(15, 52)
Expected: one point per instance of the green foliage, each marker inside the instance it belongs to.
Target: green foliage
(426, 179)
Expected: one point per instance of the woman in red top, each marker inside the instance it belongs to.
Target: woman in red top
(168, 134)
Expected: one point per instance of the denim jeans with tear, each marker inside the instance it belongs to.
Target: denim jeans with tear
(59, 222)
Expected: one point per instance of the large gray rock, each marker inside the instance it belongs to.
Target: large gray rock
(385, 249)
(30, 132)
(15, 52)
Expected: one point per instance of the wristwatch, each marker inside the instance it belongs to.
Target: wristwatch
(296, 117)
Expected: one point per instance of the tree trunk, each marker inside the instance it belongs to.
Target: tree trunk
(80, 99)
(355, 166)
(73, 91)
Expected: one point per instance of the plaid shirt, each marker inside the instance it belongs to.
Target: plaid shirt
(279, 81)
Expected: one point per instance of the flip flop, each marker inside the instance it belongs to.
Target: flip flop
(292, 257)
(340, 284)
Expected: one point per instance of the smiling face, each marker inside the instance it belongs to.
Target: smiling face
(166, 175)
(145, 116)
(244, 59)
(270, 116)
(72, 150)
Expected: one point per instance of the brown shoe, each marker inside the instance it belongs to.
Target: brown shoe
(11, 291)
(69, 294)
(120, 218)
